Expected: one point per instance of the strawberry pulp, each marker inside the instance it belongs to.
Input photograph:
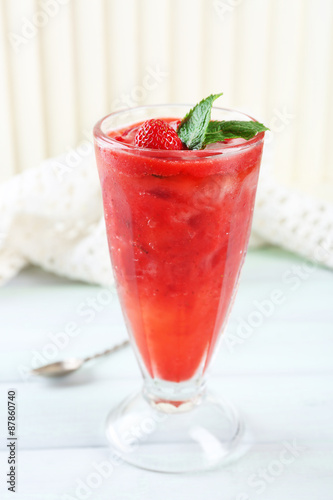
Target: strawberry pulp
(178, 224)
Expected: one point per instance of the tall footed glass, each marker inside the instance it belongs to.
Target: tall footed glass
(178, 224)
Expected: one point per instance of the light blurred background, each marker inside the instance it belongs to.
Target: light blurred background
(66, 63)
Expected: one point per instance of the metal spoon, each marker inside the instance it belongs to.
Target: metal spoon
(70, 365)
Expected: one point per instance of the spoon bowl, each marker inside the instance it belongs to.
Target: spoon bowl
(59, 369)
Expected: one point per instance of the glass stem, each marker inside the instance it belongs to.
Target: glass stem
(172, 396)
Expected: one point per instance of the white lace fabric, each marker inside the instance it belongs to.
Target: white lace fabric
(53, 217)
(294, 221)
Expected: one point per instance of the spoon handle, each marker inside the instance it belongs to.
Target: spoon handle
(107, 351)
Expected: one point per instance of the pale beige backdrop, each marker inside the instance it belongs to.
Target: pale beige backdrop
(65, 63)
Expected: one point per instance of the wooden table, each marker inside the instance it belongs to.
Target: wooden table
(275, 365)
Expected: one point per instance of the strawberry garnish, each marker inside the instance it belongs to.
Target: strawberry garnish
(157, 134)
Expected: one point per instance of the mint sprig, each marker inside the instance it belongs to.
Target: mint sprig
(192, 129)
(196, 130)
(219, 131)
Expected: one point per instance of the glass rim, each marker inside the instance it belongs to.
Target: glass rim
(99, 135)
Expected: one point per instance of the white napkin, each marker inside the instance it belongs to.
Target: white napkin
(52, 216)
(294, 221)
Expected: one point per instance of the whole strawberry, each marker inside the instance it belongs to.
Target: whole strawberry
(157, 134)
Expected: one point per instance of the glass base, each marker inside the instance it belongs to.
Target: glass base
(167, 438)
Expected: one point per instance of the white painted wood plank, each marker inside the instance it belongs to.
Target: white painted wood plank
(154, 40)
(52, 474)
(71, 413)
(59, 81)
(123, 56)
(186, 46)
(282, 346)
(308, 346)
(219, 59)
(23, 21)
(8, 160)
(91, 71)
(284, 80)
(314, 94)
(328, 156)
(251, 39)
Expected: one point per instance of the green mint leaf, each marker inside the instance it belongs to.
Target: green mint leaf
(219, 131)
(197, 131)
(192, 129)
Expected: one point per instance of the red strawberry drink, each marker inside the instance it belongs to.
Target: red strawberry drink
(178, 223)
